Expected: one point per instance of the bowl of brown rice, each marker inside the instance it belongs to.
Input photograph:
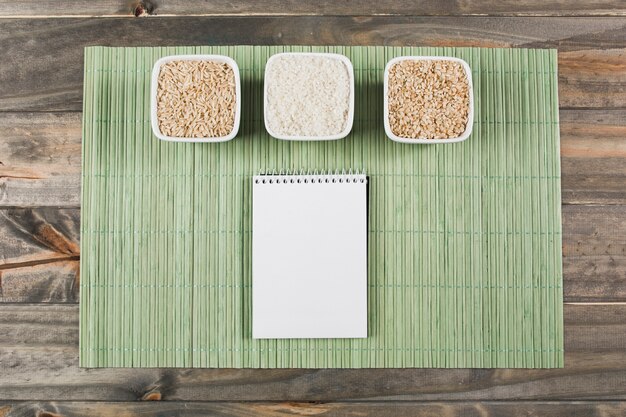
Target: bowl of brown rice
(428, 99)
(195, 98)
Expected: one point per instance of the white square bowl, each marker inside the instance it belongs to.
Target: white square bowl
(154, 122)
(470, 116)
(349, 122)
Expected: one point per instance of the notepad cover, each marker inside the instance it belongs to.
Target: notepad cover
(309, 257)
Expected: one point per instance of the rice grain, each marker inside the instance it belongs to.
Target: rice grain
(196, 99)
(307, 95)
(428, 99)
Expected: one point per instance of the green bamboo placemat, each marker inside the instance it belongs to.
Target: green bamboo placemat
(464, 239)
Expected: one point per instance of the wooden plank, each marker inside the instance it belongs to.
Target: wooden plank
(592, 78)
(55, 191)
(31, 237)
(40, 158)
(593, 156)
(363, 409)
(39, 361)
(594, 253)
(39, 145)
(42, 65)
(86, 8)
(55, 282)
(47, 146)
(39, 250)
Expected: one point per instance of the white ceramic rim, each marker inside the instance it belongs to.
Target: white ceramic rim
(153, 97)
(350, 120)
(470, 119)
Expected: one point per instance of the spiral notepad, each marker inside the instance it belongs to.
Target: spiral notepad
(309, 256)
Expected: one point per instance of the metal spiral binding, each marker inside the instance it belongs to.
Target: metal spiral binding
(292, 176)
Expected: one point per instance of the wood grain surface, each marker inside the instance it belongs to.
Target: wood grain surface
(39, 354)
(594, 253)
(155, 8)
(41, 64)
(593, 156)
(45, 72)
(360, 409)
(40, 158)
(40, 254)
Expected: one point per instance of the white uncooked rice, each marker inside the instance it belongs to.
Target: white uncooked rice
(307, 95)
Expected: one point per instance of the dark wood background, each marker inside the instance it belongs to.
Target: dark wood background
(41, 61)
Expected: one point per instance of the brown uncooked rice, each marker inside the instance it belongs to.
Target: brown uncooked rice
(428, 99)
(196, 99)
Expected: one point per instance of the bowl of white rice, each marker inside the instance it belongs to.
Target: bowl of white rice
(308, 96)
(195, 98)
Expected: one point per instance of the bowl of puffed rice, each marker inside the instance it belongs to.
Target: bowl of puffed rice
(428, 99)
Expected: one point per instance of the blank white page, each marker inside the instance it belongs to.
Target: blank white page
(309, 256)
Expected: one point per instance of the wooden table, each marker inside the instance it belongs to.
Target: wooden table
(41, 53)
